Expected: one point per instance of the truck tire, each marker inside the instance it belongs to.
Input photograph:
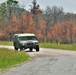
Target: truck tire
(15, 48)
(21, 48)
(31, 49)
(37, 48)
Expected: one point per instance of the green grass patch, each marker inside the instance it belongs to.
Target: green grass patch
(10, 58)
(47, 45)
(10, 43)
(56, 46)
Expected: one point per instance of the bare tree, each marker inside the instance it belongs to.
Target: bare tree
(51, 15)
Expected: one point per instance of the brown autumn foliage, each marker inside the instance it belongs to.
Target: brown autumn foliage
(31, 26)
(64, 31)
(61, 32)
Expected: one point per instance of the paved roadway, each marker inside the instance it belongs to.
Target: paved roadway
(45, 62)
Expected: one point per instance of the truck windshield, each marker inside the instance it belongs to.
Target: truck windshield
(22, 38)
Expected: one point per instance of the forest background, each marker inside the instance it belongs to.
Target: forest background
(49, 25)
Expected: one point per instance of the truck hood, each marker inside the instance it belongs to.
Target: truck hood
(29, 41)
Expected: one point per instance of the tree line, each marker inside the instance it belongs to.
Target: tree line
(50, 25)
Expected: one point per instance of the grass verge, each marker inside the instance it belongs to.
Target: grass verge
(61, 46)
(10, 43)
(10, 58)
(47, 45)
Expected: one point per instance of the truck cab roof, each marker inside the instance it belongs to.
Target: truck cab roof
(25, 34)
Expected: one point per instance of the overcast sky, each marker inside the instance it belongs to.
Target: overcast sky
(68, 5)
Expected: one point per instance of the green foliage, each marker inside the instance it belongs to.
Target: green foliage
(10, 58)
(12, 2)
(56, 46)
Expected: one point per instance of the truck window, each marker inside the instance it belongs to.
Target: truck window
(27, 38)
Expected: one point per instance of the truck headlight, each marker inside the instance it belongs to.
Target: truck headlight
(23, 43)
(36, 43)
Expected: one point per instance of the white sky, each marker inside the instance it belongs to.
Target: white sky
(68, 5)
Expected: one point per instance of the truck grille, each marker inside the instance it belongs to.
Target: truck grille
(30, 44)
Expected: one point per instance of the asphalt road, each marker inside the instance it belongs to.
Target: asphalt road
(45, 62)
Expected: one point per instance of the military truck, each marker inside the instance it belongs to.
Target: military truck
(24, 41)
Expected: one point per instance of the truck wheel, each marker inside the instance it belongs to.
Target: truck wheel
(15, 48)
(31, 49)
(37, 48)
(21, 48)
